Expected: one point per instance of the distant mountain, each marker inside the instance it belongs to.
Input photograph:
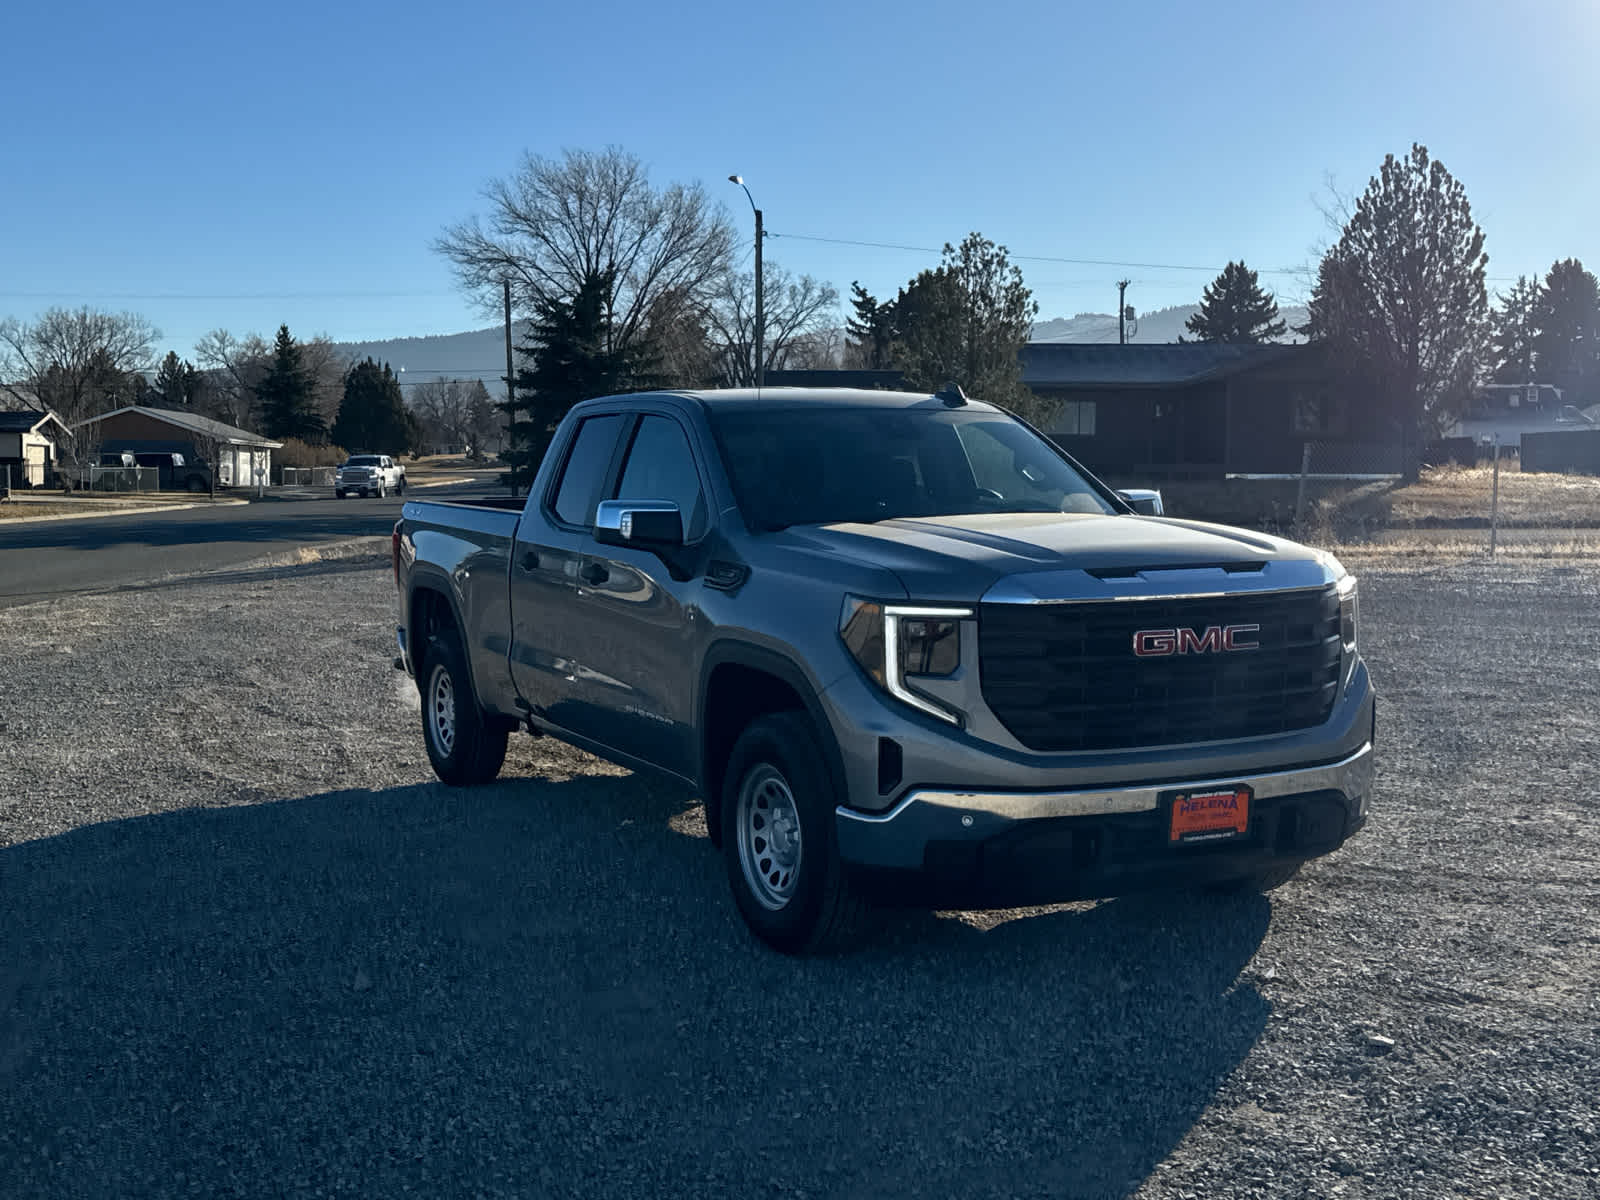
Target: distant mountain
(481, 353)
(1158, 325)
(477, 354)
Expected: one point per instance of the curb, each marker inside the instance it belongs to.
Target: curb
(137, 510)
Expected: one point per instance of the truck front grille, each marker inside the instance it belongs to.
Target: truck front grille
(1064, 677)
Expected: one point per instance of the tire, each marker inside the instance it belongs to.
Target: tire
(400, 488)
(795, 898)
(465, 745)
(382, 491)
(338, 494)
(1263, 880)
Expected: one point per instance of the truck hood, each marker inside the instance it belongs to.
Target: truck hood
(958, 558)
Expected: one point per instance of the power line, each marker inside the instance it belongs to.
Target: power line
(1076, 262)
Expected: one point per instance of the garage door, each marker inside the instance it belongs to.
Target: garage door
(33, 465)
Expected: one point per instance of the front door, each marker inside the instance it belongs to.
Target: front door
(545, 558)
(637, 629)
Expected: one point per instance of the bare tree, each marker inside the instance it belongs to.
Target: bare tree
(822, 350)
(796, 311)
(234, 368)
(78, 362)
(556, 222)
(444, 406)
(327, 366)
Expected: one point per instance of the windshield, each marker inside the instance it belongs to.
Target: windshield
(362, 460)
(823, 465)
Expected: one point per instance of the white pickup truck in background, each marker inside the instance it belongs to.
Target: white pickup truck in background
(369, 475)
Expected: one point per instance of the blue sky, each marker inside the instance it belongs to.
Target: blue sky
(239, 167)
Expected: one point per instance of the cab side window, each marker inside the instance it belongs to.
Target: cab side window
(661, 467)
(584, 473)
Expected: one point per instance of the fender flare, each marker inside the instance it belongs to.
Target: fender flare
(759, 658)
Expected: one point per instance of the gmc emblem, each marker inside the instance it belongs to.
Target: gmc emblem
(1159, 643)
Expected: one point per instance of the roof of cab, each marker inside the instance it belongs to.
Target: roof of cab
(737, 399)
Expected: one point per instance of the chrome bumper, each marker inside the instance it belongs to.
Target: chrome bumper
(897, 837)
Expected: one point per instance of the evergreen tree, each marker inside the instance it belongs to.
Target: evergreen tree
(285, 397)
(1401, 295)
(965, 322)
(1515, 325)
(372, 413)
(1234, 308)
(1566, 345)
(568, 355)
(176, 382)
(870, 329)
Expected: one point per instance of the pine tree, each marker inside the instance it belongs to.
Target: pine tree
(1566, 345)
(284, 395)
(1401, 295)
(870, 330)
(176, 382)
(1234, 308)
(1515, 326)
(372, 413)
(568, 356)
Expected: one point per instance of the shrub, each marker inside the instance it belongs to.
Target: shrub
(296, 453)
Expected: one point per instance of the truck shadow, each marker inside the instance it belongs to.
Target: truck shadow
(541, 986)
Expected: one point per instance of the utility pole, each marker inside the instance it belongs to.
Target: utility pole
(1122, 311)
(761, 312)
(511, 392)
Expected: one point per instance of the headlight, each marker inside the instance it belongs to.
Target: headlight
(1349, 613)
(897, 642)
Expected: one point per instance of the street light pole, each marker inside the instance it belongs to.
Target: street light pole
(761, 315)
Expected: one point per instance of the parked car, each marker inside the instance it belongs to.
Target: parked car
(904, 647)
(369, 475)
(175, 472)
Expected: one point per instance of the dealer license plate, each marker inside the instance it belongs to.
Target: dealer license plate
(1209, 815)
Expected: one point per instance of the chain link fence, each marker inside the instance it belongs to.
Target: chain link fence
(111, 479)
(309, 476)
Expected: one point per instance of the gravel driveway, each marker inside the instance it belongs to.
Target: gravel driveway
(247, 946)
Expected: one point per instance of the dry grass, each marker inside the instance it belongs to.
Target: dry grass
(17, 511)
(1532, 500)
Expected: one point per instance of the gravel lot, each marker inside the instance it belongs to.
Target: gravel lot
(247, 946)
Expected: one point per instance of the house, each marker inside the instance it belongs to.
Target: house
(239, 457)
(1208, 410)
(31, 441)
(1504, 412)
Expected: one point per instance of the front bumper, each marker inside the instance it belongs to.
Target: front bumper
(998, 848)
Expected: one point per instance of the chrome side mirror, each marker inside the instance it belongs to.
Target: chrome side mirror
(1146, 501)
(648, 524)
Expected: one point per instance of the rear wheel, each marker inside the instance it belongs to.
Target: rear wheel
(465, 745)
(778, 839)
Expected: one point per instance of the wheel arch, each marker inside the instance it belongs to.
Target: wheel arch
(739, 683)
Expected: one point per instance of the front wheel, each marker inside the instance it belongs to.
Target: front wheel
(338, 494)
(465, 745)
(778, 838)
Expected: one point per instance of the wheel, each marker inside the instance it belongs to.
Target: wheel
(382, 491)
(338, 493)
(195, 484)
(400, 488)
(778, 839)
(465, 745)
(1263, 880)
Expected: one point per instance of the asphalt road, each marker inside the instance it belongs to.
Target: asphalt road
(50, 558)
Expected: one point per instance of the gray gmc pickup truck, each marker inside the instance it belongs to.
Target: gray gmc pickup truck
(904, 647)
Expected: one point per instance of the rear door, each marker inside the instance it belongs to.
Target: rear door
(636, 628)
(545, 559)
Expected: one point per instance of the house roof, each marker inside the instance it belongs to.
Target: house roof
(193, 423)
(28, 420)
(1090, 364)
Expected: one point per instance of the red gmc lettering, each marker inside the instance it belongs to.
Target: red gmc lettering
(1155, 643)
(1159, 643)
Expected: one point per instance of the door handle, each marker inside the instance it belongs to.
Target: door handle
(594, 574)
(530, 562)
